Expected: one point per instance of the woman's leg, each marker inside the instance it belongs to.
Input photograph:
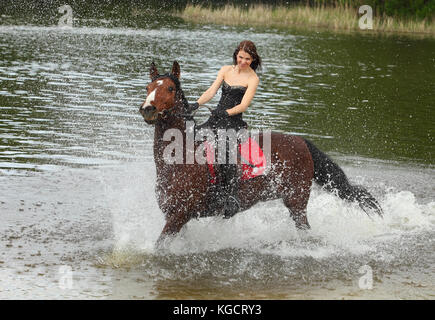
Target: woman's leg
(230, 189)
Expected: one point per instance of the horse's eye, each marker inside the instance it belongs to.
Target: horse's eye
(171, 89)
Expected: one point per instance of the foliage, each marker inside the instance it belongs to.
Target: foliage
(420, 9)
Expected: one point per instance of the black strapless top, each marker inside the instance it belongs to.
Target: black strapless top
(232, 96)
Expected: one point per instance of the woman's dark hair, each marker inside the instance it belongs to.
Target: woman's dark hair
(248, 47)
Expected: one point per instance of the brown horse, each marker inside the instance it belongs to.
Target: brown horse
(184, 190)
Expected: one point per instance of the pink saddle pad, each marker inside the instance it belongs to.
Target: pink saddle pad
(253, 159)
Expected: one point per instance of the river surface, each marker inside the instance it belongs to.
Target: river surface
(78, 211)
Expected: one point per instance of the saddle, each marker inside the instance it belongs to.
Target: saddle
(251, 157)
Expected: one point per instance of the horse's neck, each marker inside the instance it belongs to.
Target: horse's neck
(173, 122)
(178, 125)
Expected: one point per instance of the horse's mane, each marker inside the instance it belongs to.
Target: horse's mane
(170, 76)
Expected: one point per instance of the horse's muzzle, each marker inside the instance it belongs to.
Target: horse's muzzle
(149, 114)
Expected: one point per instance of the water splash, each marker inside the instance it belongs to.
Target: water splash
(338, 227)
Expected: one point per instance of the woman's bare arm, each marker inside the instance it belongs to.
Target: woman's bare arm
(211, 92)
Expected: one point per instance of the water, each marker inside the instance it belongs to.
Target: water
(77, 174)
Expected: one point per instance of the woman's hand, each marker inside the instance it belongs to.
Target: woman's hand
(220, 114)
(192, 107)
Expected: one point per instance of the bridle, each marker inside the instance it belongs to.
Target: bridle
(179, 96)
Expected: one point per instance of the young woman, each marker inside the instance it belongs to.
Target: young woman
(239, 84)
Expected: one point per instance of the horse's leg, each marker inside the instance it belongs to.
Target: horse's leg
(173, 225)
(297, 204)
(297, 173)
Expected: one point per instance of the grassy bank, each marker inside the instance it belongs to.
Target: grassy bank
(340, 18)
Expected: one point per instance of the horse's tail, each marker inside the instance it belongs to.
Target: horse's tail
(332, 178)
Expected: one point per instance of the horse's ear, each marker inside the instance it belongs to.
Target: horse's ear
(176, 69)
(153, 71)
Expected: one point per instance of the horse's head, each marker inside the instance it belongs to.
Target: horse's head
(163, 94)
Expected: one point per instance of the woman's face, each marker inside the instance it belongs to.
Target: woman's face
(244, 59)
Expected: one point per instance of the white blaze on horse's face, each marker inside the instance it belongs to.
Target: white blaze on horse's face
(160, 97)
(152, 95)
(161, 94)
(150, 98)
